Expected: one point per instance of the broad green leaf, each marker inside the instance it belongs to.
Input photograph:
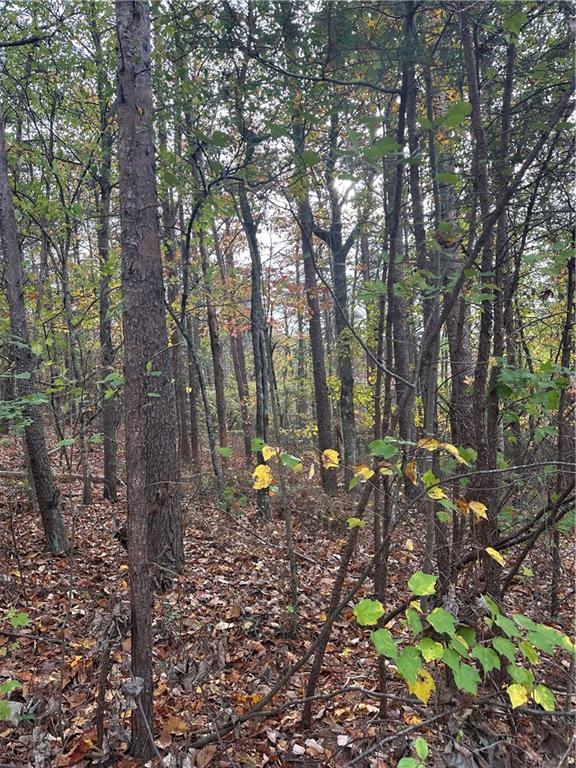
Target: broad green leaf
(421, 747)
(448, 178)
(506, 625)
(224, 451)
(257, 444)
(504, 647)
(457, 113)
(442, 621)
(422, 584)
(383, 449)
(292, 462)
(9, 685)
(384, 643)
(404, 762)
(487, 657)
(381, 148)
(529, 652)
(467, 678)
(5, 710)
(414, 621)
(430, 649)
(451, 659)
(18, 618)
(368, 612)
(544, 696)
(408, 663)
(522, 676)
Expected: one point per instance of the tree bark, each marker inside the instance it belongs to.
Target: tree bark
(152, 471)
(47, 494)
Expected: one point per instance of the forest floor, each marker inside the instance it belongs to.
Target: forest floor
(222, 638)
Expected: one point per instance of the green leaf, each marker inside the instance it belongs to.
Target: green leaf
(429, 478)
(430, 649)
(506, 625)
(522, 676)
(451, 659)
(368, 612)
(414, 621)
(515, 22)
(487, 657)
(221, 139)
(456, 114)
(421, 747)
(448, 178)
(383, 449)
(544, 638)
(257, 444)
(24, 375)
(384, 643)
(292, 462)
(9, 685)
(544, 696)
(5, 710)
(381, 148)
(356, 522)
(442, 621)
(308, 158)
(405, 762)
(467, 678)
(18, 618)
(529, 652)
(504, 647)
(422, 584)
(225, 451)
(408, 663)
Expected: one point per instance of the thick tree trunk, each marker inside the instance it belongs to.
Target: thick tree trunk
(47, 494)
(153, 480)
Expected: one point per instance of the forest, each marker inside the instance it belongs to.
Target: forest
(287, 396)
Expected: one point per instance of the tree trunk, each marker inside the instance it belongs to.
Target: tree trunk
(153, 481)
(47, 494)
(103, 195)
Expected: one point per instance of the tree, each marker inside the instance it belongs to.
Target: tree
(45, 489)
(154, 521)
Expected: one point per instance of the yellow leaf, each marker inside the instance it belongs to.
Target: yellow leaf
(423, 686)
(409, 544)
(437, 493)
(363, 472)
(429, 443)
(517, 694)
(478, 508)
(262, 477)
(268, 452)
(453, 451)
(416, 605)
(410, 472)
(330, 458)
(495, 555)
(311, 471)
(386, 472)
